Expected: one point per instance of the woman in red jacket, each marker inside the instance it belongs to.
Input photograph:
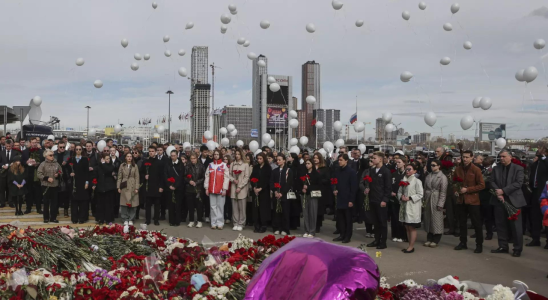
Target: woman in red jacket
(216, 185)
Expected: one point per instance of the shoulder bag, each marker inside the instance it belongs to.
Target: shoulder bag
(123, 184)
(290, 195)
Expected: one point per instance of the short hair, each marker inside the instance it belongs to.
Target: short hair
(151, 147)
(47, 152)
(174, 151)
(488, 161)
(109, 140)
(192, 154)
(413, 165)
(245, 147)
(8, 142)
(468, 152)
(402, 158)
(379, 154)
(436, 161)
(505, 151)
(89, 142)
(203, 148)
(343, 147)
(61, 143)
(344, 156)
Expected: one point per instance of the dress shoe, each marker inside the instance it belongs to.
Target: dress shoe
(533, 244)
(81, 222)
(337, 232)
(500, 250)
(263, 230)
(147, 223)
(473, 236)
(516, 253)
(74, 222)
(2, 205)
(256, 230)
(46, 221)
(461, 246)
(449, 233)
(373, 244)
(338, 239)
(66, 213)
(156, 223)
(54, 221)
(381, 246)
(479, 249)
(489, 237)
(346, 241)
(546, 246)
(408, 251)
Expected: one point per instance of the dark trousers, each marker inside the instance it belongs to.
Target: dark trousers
(397, 228)
(164, 202)
(380, 217)
(34, 196)
(536, 218)
(64, 199)
(79, 210)
(18, 201)
(505, 227)
(194, 203)
(93, 203)
(451, 211)
(205, 200)
(487, 217)
(358, 210)
(475, 215)
(434, 238)
(174, 209)
(105, 202)
(344, 222)
(116, 205)
(4, 191)
(149, 203)
(50, 203)
(228, 207)
(281, 219)
(184, 208)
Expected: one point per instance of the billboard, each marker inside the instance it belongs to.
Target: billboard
(492, 131)
(280, 97)
(254, 133)
(276, 117)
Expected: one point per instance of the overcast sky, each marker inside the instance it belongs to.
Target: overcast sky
(42, 39)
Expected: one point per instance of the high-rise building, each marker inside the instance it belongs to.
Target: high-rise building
(319, 134)
(379, 130)
(310, 86)
(256, 86)
(295, 103)
(274, 108)
(301, 130)
(331, 116)
(200, 90)
(422, 138)
(199, 65)
(240, 117)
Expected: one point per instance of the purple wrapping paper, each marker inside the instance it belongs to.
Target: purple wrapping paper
(313, 269)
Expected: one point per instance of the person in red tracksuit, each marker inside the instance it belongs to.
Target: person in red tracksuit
(216, 185)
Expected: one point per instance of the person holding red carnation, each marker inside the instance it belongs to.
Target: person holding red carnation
(105, 186)
(281, 181)
(410, 194)
(174, 174)
(216, 186)
(345, 187)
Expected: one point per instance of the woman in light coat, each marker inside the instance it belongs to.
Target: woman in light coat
(410, 197)
(434, 197)
(239, 178)
(129, 195)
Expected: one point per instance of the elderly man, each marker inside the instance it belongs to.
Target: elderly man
(506, 181)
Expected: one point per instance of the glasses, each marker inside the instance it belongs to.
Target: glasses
(61, 147)
(106, 151)
(408, 169)
(341, 152)
(50, 155)
(433, 165)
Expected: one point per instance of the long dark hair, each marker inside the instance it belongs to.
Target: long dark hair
(132, 160)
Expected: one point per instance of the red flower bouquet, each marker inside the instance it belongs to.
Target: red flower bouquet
(172, 181)
(368, 178)
(278, 202)
(446, 164)
(403, 183)
(457, 183)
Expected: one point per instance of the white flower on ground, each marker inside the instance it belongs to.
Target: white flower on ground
(501, 293)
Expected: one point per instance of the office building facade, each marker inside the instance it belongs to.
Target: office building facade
(310, 86)
(241, 118)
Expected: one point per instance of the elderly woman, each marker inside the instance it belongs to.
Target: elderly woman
(49, 172)
(434, 196)
(410, 195)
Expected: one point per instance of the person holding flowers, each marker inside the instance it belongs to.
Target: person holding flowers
(216, 185)
(281, 181)
(105, 187)
(410, 195)
(49, 172)
(434, 197)
(260, 192)
(17, 177)
(80, 174)
(174, 174)
(399, 233)
(34, 155)
(379, 195)
(152, 174)
(239, 178)
(128, 182)
(311, 192)
(194, 180)
(344, 185)
(326, 200)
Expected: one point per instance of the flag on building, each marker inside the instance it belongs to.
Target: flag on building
(313, 122)
(354, 118)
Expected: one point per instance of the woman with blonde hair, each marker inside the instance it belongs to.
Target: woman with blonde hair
(239, 177)
(128, 187)
(17, 182)
(48, 173)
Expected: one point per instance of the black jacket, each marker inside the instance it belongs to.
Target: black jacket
(347, 186)
(36, 154)
(284, 177)
(105, 179)
(380, 188)
(313, 182)
(197, 172)
(81, 176)
(206, 162)
(155, 179)
(177, 171)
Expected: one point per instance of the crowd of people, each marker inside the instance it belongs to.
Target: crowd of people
(274, 189)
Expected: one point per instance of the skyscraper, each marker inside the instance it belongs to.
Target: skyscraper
(380, 134)
(240, 117)
(331, 116)
(274, 108)
(200, 101)
(199, 67)
(257, 86)
(310, 86)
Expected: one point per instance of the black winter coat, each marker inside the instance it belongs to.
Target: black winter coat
(347, 186)
(312, 183)
(155, 179)
(263, 174)
(198, 175)
(284, 177)
(105, 179)
(177, 171)
(81, 176)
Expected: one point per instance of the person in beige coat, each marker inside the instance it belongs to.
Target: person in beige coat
(435, 188)
(410, 196)
(49, 172)
(128, 187)
(239, 178)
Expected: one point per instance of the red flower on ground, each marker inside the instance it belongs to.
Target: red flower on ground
(448, 288)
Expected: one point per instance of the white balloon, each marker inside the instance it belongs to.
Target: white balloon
(271, 79)
(232, 7)
(303, 140)
(240, 41)
(210, 145)
(265, 24)
(234, 133)
(445, 61)
(80, 62)
(223, 29)
(406, 76)
(253, 146)
(134, 66)
(182, 71)
(137, 56)
(167, 53)
(530, 74)
(293, 142)
(147, 56)
(362, 148)
(274, 87)
(271, 144)
(486, 103)
(98, 84)
(387, 117)
(117, 128)
(519, 75)
(230, 127)
(154, 5)
(328, 146)
(247, 43)
(293, 114)
(447, 27)
(251, 55)
(54, 148)
(539, 44)
(323, 152)
(234, 12)
(225, 142)
(240, 143)
(166, 38)
(359, 126)
(500, 142)
(37, 100)
(294, 123)
(310, 99)
(295, 149)
(225, 18)
(476, 102)
(310, 27)
(182, 52)
(430, 118)
(466, 122)
(467, 45)
(455, 8)
(124, 43)
(319, 125)
(389, 127)
(406, 15)
(339, 143)
(186, 145)
(101, 145)
(359, 23)
(422, 5)
(266, 138)
(92, 132)
(223, 130)
(336, 4)
(257, 152)
(337, 125)
(160, 129)
(261, 63)
(168, 150)
(208, 135)
(189, 25)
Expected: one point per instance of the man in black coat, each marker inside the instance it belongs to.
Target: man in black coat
(164, 160)
(345, 190)
(93, 162)
(538, 176)
(175, 191)
(5, 156)
(205, 160)
(360, 165)
(32, 157)
(152, 175)
(379, 195)
(63, 194)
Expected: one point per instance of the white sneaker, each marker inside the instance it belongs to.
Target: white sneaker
(190, 225)
(235, 228)
(207, 220)
(305, 235)
(227, 221)
(283, 233)
(240, 228)
(311, 236)
(130, 223)
(199, 225)
(276, 232)
(400, 241)
(394, 240)
(126, 223)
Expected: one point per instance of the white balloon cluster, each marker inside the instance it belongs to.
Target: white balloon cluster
(528, 75)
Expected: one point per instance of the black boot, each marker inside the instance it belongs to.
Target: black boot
(39, 209)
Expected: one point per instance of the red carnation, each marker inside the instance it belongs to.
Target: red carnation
(334, 181)
(277, 185)
(237, 172)
(147, 164)
(403, 183)
(448, 288)
(303, 178)
(171, 180)
(368, 178)
(70, 164)
(457, 179)
(446, 164)
(254, 180)
(94, 181)
(189, 176)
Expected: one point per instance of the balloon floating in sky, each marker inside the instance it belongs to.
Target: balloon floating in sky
(466, 122)
(274, 87)
(124, 43)
(389, 127)
(447, 27)
(303, 140)
(37, 100)
(230, 127)
(232, 7)
(486, 103)
(406, 76)
(467, 45)
(310, 27)
(189, 25)
(80, 62)
(359, 23)
(182, 72)
(154, 5)
(98, 84)
(310, 99)
(223, 29)
(476, 102)
(539, 44)
(137, 56)
(530, 74)
(337, 125)
(519, 75)
(422, 5)
(430, 118)
(445, 61)
(234, 12)
(247, 43)
(271, 79)
(147, 56)
(182, 52)
(455, 8)
(166, 38)
(293, 142)
(240, 41)
(319, 125)
(387, 117)
(336, 4)
(167, 53)
(225, 18)
(265, 24)
(359, 126)
(500, 142)
(294, 123)
(406, 15)
(251, 55)
(253, 146)
(261, 63)
(134, 66)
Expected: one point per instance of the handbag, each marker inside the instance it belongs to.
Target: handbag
(315, 194)
(123, 184)
(291, 195)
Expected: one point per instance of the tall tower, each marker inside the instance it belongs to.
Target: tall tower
(200, 101)
(257, 91)
(310, 86)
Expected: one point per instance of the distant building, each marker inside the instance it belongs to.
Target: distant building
(421, 138)
(331, 116)
(380, 135)
(241, 118)
(200, 90)
(257, 91)
(310, 86)
(274, 108)
(301, 130)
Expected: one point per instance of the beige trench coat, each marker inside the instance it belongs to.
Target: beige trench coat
(434, 195)
(243, 180)
(131, 175)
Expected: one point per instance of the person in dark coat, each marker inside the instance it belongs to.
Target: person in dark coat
(379, 195)
(105, 187)
(538, 176)
(345, 192)
(326, 199)
(205, 160)
(164, 158)
(260, 184)
(152, 177)
(93, 161)
(137, 158)
(34, 156)
(116, 162)
(281, 182)
(295, 204)
(79, 171)
(174, 176)
(62, 156)
(194, 189)
(17, 181)
(5, 158)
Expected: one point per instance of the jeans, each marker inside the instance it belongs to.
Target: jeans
(217, 205)
(127, 213)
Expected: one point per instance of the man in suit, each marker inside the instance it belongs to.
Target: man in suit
(93, 162)
(5, 157)
(361, 164)
(32, 157)
(379, 195)
(2, 143)
(151, 176)
(164, 160)
(506, 181)
(538, 176)
(205, 159)
(345, 191)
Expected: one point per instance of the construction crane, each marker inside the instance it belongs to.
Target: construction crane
(213, 67)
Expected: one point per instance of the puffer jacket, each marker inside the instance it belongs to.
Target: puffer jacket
(48, 169)
(197, 173)
(217, 177)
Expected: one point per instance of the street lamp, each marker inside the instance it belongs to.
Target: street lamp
(169, 93)
(88, 107)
